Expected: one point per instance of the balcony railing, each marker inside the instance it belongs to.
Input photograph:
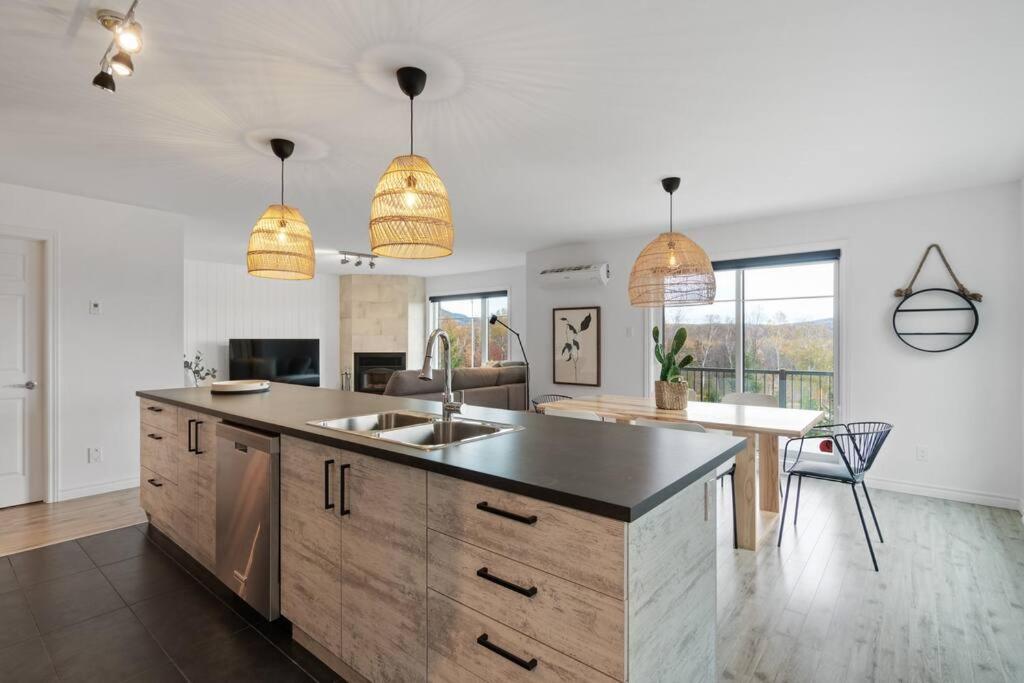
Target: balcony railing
(809, 389)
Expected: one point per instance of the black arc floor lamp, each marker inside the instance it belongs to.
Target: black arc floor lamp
(494, 319)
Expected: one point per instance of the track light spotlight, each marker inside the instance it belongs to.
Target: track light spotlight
(104, 80)
(372, 264)
(344, 259)
(359, 262)
(121, 63)
(129, 36)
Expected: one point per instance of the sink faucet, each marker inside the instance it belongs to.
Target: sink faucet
(448, 403)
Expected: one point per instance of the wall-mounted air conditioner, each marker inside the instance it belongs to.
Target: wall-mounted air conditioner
(575, 276)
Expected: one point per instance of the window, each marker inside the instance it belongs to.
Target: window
(771, 330)
(465, 318)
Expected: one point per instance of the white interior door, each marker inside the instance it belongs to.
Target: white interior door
(22, 459)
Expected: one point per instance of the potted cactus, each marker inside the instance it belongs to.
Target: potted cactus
(671, 390)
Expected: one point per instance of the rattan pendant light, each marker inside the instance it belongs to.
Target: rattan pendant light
(672, 270)
(281, 245)
(410, 216)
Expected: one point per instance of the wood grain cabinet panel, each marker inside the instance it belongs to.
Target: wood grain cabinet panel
(159, 415)
(158, 451)
(578, 546)
(455, 633)
(151, 492)
(197, 453)
(582, 623)
(311, 540)
(384, 567)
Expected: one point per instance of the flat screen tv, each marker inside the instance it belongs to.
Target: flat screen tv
(295, 361)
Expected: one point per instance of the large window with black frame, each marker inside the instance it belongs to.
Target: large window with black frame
(772, 329)
(465, 318)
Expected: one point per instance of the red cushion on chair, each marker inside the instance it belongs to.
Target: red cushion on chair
(825, 446)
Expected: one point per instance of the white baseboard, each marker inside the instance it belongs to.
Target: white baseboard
(96, 489)
(959, 495)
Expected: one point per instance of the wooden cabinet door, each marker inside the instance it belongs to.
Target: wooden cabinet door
(384, 569)
(311, 540)
(204, 476)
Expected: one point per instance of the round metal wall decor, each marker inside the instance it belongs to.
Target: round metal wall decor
(935, 320)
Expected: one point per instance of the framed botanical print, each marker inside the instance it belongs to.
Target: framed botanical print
(576, 345)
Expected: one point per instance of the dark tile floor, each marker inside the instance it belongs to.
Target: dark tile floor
(128, 605)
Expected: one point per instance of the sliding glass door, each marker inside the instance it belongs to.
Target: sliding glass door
(771, 330)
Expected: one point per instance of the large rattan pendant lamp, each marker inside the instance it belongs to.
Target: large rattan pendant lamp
(281, 245)
(672, 270)
(410, 216)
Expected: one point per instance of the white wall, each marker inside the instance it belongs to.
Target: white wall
(223, 301)
(965, 405)
(511, 279)
(129, 259)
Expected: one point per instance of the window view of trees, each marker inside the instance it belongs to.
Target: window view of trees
(787, 331)
(475, 342)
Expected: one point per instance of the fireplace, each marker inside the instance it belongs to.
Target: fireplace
(373, 370)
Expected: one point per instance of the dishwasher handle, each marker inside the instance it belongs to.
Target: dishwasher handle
(245, 439)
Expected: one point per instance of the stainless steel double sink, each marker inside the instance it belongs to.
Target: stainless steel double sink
(425, 431)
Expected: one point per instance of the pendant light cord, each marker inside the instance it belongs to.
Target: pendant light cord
(410, 126)
(670, 226)
(282, 182)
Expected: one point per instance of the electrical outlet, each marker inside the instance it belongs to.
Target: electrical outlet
(95, 308)
(922, 454)
(95, 455)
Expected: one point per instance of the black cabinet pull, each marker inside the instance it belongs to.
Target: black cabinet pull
(191, 448)
(155, 437)
(528, 665)
(532, 519)
(341, 488)
(328, 505)
(197, 451)
(155, 409)
(484, 574)
(154, 482)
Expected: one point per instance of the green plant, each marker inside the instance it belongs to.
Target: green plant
(198, 370)
(671, 369)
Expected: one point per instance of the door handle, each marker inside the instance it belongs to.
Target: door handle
(197, 451)
(342, 510)
(191, 448)
(30, 385)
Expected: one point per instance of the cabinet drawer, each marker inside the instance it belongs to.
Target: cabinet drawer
(159, 452)
(584, 548)
(159, 415)
(457, 638)
(152, 496)
(582, 623)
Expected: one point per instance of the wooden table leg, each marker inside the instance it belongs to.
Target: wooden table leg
(768, 471)
(746, 496)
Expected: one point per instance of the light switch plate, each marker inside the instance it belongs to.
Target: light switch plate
(95, 455)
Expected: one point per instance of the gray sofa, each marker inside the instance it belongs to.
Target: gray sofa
(495, 387)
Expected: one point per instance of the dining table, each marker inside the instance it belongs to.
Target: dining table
(756, 478)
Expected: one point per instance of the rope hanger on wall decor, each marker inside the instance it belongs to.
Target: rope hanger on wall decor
(935, 319)
(909, 289)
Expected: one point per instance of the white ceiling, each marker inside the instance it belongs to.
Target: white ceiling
(550, 122)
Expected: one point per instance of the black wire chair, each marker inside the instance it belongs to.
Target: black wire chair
(547, 398)
(857, 444)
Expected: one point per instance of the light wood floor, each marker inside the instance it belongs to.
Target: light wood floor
(30, 526)
(948, 604)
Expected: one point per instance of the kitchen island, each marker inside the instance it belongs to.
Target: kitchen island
(567, 550)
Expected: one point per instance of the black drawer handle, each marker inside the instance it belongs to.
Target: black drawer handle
(532, 519)
(484, 574)
(528, 665)
(155, 437)
(197, 451)
(154, 482)
(191, 448)
(328, 505)
(155, 409)
(341, 489)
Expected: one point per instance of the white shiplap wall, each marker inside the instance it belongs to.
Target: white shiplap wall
(222, 301)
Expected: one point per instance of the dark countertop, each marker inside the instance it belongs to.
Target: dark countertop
(613, 470)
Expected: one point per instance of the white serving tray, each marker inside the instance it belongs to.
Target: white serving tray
(240, 386)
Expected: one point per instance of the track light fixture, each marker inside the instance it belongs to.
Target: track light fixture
(360, 258)
(127, 41)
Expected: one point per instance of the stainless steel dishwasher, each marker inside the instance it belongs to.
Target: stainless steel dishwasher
(248, 513)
